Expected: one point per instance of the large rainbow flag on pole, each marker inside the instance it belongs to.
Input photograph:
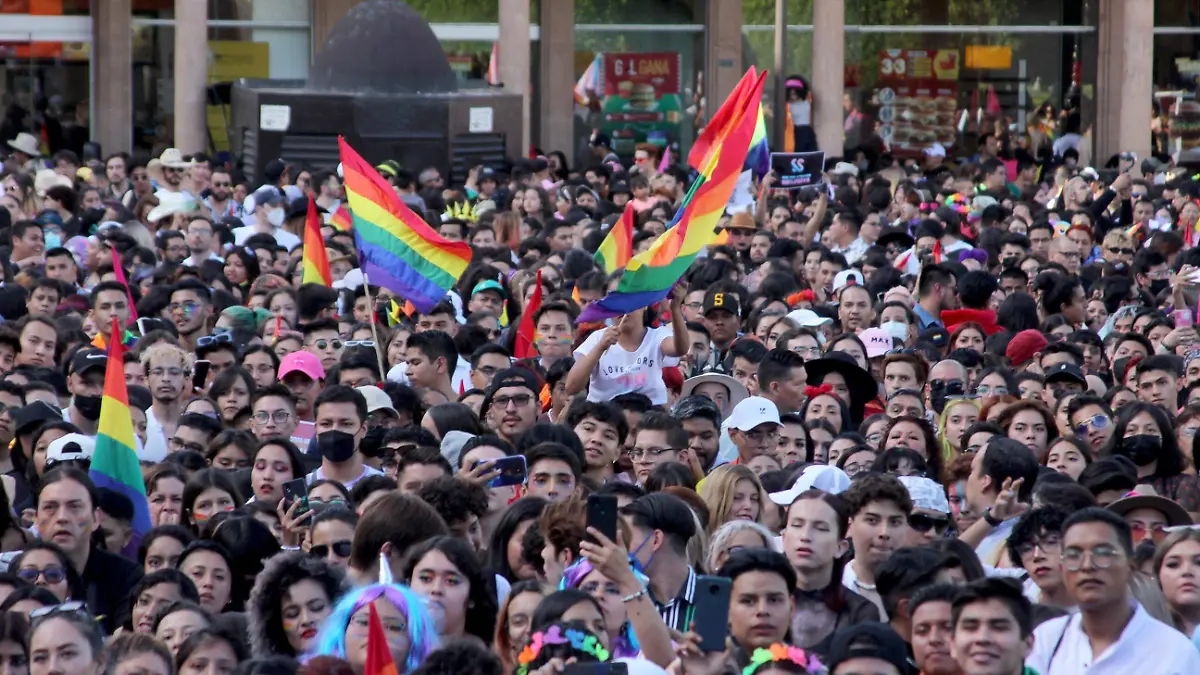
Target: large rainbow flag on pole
(617, 248)
(651, 275)
(115, 462)
(396, 248)
(315, 264)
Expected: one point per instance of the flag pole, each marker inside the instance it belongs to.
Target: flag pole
(374, 328)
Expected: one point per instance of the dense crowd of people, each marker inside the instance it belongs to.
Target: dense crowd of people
(927, 417)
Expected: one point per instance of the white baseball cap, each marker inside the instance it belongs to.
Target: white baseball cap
(847, 278)
(377, 399)
(926, 493)
(877, 341)
(71, 447)
(751, 412)
(816, 477)
(808, 318)
(936, 150)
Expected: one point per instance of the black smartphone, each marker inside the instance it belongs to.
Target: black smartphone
(602, 514)
(200, 374)
(711, 607)
(296, 491)
(513, 471)
(596, 669)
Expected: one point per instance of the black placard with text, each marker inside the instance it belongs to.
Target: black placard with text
(796, 170)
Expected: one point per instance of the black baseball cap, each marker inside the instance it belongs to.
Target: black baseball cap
(869, 641)
(510, 377)
(1065, 371)
(269, 196)
(725, 300)
(87, 359)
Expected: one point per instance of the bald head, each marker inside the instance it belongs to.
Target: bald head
(949, 370)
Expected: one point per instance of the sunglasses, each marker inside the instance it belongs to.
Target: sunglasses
(1096, 422)
(209, 340)
(73, 607)
(53, 575)
(921, 522)
(1122, 251)
(340, 548)
(324, 344)
(357, 343)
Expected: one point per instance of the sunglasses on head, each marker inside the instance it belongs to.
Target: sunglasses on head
(340, 548)
(209, 340)
(73, 607)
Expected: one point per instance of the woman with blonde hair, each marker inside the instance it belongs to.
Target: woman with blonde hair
(1177, 568)
(958, 414)
(733, 492)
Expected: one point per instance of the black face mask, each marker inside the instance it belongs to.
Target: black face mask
(1159, 285)
(940, 390)
(336, 446)
(1010, 261)
(1142, 449)
(89, 406)
(372, 441)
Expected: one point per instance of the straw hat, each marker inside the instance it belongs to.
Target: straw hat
(171, 202)
(46, 179)
(171, 158)
(26, 143)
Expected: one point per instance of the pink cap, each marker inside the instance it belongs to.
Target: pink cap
(877, 341)
(304, 362)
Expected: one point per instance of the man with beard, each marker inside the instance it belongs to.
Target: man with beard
(341, 414)
(168, 372)
(200, 233)
(220, 202)
(936, 290)
(170, 171)
(190, 307)
(110, 300)
(172, 246)
(85, 381)
(330, 190)
(511, 404)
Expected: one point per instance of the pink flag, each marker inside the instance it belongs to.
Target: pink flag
(119, 271)
(493, 73)
(666, 160)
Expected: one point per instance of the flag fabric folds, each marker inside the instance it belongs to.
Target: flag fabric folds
(758, 158)
(379, 655)
(315, 265)
(527, 330)
(119, 271)
(617, 248)
(115, 462)
(342, 219)
(396, 248)
(650, 276)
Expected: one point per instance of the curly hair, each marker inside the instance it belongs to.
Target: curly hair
(264, 609)
(931, 451)
(875, 487)
(563, 525)
(455, 499)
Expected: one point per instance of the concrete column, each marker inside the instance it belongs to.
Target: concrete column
(515, 54)
(828, 83)
(723, 59)
(325, 15)
(112, 75)
(191, 75)
(556, 80)
(1124, 78)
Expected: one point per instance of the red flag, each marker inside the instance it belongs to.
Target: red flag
(120, 274)
(493, 74)
(379, 657)
(527, 331)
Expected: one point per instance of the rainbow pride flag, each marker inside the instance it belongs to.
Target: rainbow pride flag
(617, 248)
(342, 219)
(758, 159)
(115, 462)
(315, 265)
(396, 248)
(650, 276)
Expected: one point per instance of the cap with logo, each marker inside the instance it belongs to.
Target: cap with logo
(723, 300)
(877, 341)
(87, 359)
(303, 362)
(1065, 372)
(847, 278)
(751, 412)
(816, 477)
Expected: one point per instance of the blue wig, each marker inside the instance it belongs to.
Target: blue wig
(625, 644)
(422, 635)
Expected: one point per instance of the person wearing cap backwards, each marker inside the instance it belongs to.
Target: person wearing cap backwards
(868, 649)
(1112, 633)
(268, 218)
(629, 357)
(341, 420)
(510, 406)
(85, 381)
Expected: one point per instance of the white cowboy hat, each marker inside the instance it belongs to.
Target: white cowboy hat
(26, 143)
(45, 179)
(171, 158)
(169, 203)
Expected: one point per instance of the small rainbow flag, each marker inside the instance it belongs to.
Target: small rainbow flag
(115, 461)
(342, 219)
(316, 259)
(397, 249)
(379, 655)
(527, 330)
(758, 159)
(650, 276)
(617, 248)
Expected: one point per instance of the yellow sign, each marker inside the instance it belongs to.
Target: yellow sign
(232, 60)
(989, 57)
(945, 64)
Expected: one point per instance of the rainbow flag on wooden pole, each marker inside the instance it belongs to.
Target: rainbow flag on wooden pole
(396, 248)
(650, 276)
(315, 265)
(115, 462)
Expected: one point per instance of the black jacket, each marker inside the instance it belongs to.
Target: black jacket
(106, 584)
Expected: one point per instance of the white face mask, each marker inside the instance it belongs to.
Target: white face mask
(275, 218)
(896, 329)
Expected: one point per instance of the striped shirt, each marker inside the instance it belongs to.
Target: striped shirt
(679, 612)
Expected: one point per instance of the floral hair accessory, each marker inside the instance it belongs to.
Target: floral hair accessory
(786, 653)
(958, 201)
(556, 635)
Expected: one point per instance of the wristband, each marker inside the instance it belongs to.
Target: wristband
(633, 596)
(990, 519)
